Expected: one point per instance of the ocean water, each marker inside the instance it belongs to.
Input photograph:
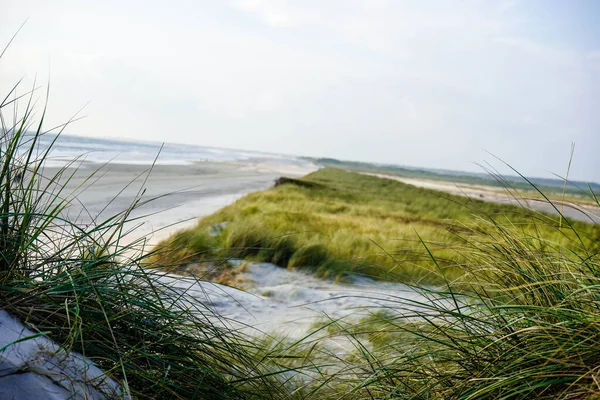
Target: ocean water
(66, 148)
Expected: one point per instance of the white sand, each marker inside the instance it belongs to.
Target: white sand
(33, 367)
(288, 302)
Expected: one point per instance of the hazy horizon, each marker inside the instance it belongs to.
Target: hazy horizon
(428, 85)
(164, 159)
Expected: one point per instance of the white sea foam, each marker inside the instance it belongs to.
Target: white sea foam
(67, 148)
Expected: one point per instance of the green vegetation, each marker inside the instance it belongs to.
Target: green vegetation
(525, 327)
(336, 222)
(521, 323)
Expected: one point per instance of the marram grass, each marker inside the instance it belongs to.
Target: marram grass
(526, 326)
(79, 286)
(335, 222)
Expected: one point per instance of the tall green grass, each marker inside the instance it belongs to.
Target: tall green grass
(516, 317)
(83, 288)
(524, 323)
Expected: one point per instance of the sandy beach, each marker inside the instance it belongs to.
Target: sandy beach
(174, 196)
(580, 212)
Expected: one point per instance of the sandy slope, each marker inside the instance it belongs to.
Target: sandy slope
(287, 302)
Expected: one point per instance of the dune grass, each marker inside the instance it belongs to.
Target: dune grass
(336, 222)
(526, 326)
(520, 323)
(82, 288)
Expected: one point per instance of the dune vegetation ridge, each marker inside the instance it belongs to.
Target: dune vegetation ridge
(336, 222)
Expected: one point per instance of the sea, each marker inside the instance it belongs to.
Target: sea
(67, 148)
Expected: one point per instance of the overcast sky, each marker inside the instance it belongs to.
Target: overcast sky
(421, 83)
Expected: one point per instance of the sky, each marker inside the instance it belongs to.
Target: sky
(439, 84)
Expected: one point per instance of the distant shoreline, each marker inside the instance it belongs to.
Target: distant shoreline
(578, 211)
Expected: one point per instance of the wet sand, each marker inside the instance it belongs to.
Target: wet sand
(175, 196)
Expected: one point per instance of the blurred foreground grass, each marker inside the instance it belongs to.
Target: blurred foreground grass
(81, 287)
